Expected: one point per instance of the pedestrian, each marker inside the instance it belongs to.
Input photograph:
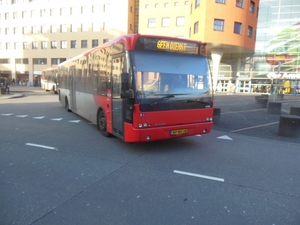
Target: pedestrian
(6, 85)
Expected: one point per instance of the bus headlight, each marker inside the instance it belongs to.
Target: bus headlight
(140, 125)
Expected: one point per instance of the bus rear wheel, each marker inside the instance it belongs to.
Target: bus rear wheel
(67, 105)
(101, 124)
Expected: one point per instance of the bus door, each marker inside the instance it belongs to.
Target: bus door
(118, 66)
(72, 88)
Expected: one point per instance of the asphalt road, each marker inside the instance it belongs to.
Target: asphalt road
(56, 168)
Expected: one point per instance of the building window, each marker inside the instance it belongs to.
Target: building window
(34, 30)
(219, 25)
(16, 30)
(105, 40)
(53, 29)
(96, 27)
(165, 22)
(56, 61)
(196, 27)
(186, 2)
(15, 15)
(63, 28)
(7, 30)
(24, 14)
(63, 44)
(53, 44)
(240, 3)
(6, 16)
(4, 61)
(25, 30)
(237, 28)
(180, 21)
(39, 61)
(221, 1)
(44, 45)
(147, 6)
(25, 45)
(156, 5)
(176, 4)
(73, 28)
(85, 9)
(43, 12)
(44, 29)
(7, 45)
(63, 11)
(197, 3)
(83, 43)
(166, 4)
(34, 45)
(16, 45)
(22, 61)
(94, 43)
(73, 44)
(84, 27)
(250, 30)
(33, 14)
(252, 6)
(151, 22)
(53, 12)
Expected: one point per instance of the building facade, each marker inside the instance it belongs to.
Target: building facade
(251, 43)
(37, 34)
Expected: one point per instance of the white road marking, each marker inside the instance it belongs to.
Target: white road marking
(225, 137)
(8, 114)
(39, 117)
(74, 121)
(199, 135)
(57, 119)
(253, 110)
(21, 116)
(41, 146)
(199, 175)
(248, 128)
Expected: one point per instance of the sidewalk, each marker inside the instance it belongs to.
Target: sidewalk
(18, 91)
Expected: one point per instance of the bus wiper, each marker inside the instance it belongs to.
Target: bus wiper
(203, 102)
(157, 101)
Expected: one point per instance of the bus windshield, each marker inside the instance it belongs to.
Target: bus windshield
(160, 74)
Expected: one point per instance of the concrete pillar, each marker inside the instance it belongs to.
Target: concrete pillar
(216, 55)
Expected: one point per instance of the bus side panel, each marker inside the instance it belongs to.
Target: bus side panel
(87, 107)
(104, 102)
(63, 94)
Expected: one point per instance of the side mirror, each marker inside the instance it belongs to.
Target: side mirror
(125, 91)
(125, 82)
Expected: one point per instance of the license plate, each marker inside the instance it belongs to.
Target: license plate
(178, 132)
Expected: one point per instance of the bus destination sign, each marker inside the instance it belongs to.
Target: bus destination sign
(168, 45)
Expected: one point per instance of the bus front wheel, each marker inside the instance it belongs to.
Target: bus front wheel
(101, 124)
(67, 105)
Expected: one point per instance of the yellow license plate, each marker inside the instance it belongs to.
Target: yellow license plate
(178, 132)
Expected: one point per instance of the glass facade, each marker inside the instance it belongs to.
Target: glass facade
(276, 61)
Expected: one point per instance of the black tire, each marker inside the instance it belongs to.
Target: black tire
(67, 105)
(101, 124)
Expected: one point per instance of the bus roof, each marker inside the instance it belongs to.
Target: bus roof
(130, 41)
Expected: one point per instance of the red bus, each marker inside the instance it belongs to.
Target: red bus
(49, 79)
(141, 88)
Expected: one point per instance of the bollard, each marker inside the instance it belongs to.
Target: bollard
(289, 126)
(261, 101)
(295, 111)
(274, 107)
